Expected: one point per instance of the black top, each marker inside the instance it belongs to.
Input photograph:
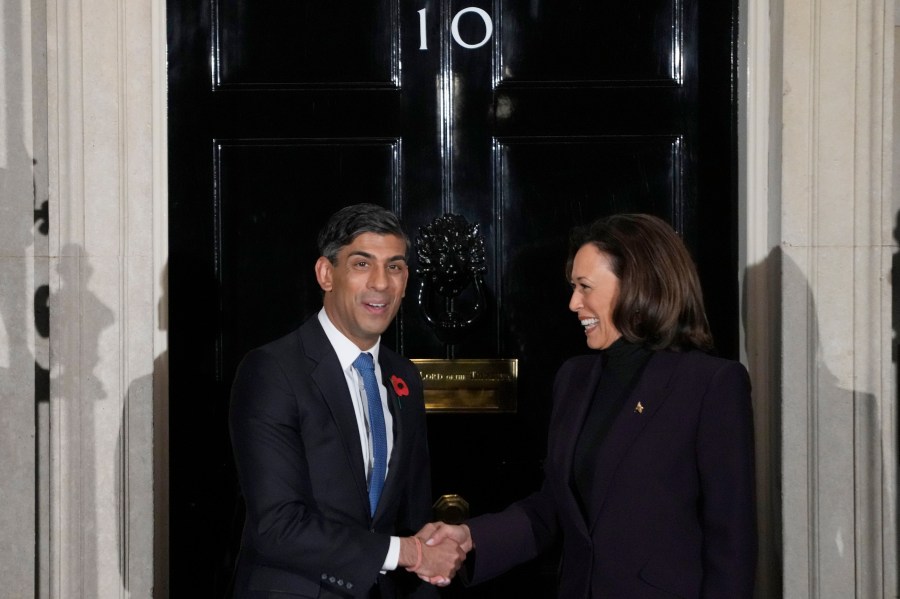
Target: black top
(623, 363)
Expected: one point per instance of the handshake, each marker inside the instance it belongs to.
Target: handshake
(436, 552)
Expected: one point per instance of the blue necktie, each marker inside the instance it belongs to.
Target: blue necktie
(366, 368)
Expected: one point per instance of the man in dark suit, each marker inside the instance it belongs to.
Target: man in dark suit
(331, 449)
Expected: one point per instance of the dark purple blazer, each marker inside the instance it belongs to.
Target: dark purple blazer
(672, 513)
(308, 532)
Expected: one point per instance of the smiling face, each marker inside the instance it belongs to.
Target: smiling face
(595, 291)
(363, 289)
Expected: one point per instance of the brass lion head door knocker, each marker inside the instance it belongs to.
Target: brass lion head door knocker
(451, 261)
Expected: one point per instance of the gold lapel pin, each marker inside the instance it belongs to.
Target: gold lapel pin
(639, 408)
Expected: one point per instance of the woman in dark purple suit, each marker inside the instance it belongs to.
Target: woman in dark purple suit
(649, 477)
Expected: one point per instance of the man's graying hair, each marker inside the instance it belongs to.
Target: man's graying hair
(348, 223)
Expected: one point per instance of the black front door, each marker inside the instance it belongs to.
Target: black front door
(526, 118)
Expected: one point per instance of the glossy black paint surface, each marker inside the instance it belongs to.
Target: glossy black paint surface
(599, 43)
(305, 44)
(281, 112)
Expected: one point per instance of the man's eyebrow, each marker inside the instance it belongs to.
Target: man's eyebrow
(368, 256)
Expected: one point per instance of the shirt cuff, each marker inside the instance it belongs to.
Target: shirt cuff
(393, 555)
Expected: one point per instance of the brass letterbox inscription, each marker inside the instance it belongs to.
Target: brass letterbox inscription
(468, 385)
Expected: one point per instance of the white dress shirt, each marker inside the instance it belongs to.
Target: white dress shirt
(347, 352)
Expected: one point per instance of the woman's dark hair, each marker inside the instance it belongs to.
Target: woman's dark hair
(660, 302)
(349, 222)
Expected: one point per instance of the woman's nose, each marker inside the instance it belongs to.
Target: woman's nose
(575, 301)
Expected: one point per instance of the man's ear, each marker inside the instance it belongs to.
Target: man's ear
(324, 271)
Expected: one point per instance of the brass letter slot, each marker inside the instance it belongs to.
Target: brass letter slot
(467, 385)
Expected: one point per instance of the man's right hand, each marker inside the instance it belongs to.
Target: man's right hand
(448, 545)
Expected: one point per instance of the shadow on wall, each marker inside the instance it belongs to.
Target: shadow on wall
(17, 227)
(16, 359)
(21, 232)
(144, 424)
(24, 377)
(84, 505)
(841, 436)
(895, 348)
(767, 406)
(79, 391)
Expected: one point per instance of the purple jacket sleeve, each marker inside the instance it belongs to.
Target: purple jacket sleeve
(725, 461)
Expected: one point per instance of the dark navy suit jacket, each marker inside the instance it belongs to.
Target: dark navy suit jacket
(308, 532)
(672, 512)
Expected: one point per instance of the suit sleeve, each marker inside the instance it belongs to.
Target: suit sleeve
(725, 459)
(528, 527)
(289, 531)
(511, 537)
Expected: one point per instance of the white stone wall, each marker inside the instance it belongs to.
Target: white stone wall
(82, 219)
(107, 247)
(819, 311)
(20, 270)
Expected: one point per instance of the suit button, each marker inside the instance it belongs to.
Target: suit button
(349, 585)
(340, 582)
(324, 576)
(331, 579)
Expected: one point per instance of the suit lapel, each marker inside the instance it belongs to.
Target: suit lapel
(573, 410)
(330, 380)
(651, 392)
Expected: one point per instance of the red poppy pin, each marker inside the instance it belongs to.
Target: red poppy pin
(400, 387)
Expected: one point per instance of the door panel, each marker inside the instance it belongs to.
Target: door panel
(269, 196)
(282, 112)
(305, 44)
(590, 43)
